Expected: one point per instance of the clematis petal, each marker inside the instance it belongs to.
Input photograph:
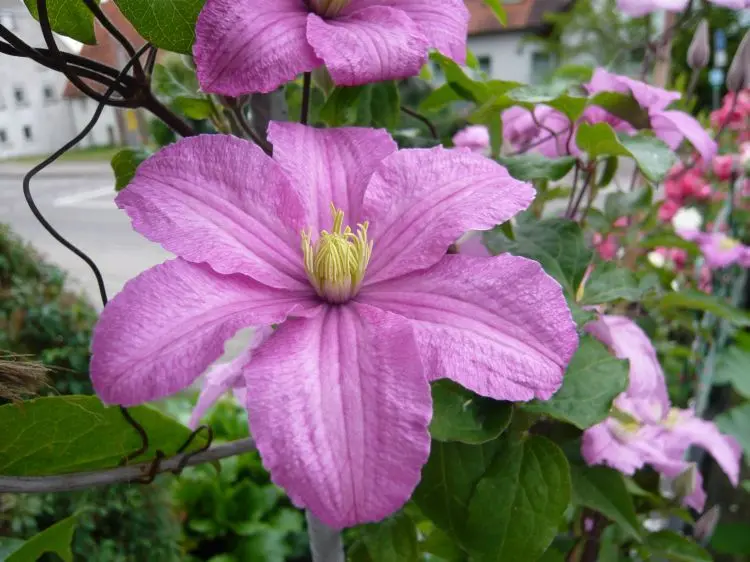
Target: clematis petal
(628, 341)
(339, 407)
(674, 126)
(498, 326)
(648, 97)
(691, 430)
(444, 23)
(246, 46)
(600, 446)
(421, 200)
(369, 45)
(220, 200)
(226, 376)
(170, 323)
(329, 165)
(638, 8)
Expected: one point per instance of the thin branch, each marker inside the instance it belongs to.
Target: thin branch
(117, 34)
(423, 119)
(306, 91)
(83, 480)
(238, 118)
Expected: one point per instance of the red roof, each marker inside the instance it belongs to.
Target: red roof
(524, 14)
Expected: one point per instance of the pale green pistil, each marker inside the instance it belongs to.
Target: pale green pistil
(328, 8)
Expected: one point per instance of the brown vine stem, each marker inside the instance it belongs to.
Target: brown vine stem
(83, 480)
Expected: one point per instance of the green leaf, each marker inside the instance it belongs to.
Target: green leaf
(344, 105)
(448, 481)
(695, 300)
(194, 107)
(731, 538)
(581, 316)
(60, 434)
(623, 106)
(498, 10)
(610, 282)
(669, 241)
(439, 544)
(439, 98)
(610, 169)
(654, 158)
(736, 422)
(391, 540)
(167, 24)
(592, 381)
(125, 163)
(534, 166)
(623, 204)
(168, 82)
(386, 105)
(517, 506)
(732, 368)
(557, 244)
(673, 547)
(68, 17)
(461, 415)
(542, 93)
(603, 490)
(574, 73)
(56, 539)
(571, 106)
(467, 88)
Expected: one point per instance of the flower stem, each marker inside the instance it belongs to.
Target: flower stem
(325, 543)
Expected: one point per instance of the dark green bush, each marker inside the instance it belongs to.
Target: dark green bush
(39, 319)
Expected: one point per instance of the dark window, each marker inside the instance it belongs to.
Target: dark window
(485, 64)
(20, 96)
(541, 67)
(27, 132)
(3, 136)
(49, 93)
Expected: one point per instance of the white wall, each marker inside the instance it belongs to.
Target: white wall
(509, 58)
(104, 133)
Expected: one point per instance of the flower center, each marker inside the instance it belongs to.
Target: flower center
(728, 243)
(328, 8)
(337, 262)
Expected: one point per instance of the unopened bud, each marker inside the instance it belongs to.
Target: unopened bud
(699, 51)
(704, 528)
(686, 482)
(322, 79)
(737, 75)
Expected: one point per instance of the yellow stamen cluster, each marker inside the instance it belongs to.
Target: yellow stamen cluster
(728, 243)
(337, 261)
(328, 8)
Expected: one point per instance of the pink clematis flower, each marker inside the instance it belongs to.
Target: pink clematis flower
(718, 249)
(643, 428)
(638, 8)
(245, 46)
(475, 137)
(340, 239)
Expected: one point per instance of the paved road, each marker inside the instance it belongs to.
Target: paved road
(78, 199)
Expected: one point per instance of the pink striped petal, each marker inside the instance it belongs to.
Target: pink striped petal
(329, 165)
(369, 45)
(220, 200)
(339, 408)
(170, 323)
(499, 326)
(226, 376)
(246, 46)
(674, 126)
(445, 23)
(420, 201)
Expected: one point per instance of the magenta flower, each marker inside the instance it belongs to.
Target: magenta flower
(523, 130)
(245, 46)
(643, 428)
(638, 8)
(474, 137)
(341, 239)
(718, 249)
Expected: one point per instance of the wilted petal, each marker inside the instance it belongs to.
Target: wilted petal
(329, 165)
(674, 126)
(369, 45)
(170, 323)
(245, 46)
(420, 201)
(220, 200)
(608, 444)
(628, 341)
(649, 97)
(444, 23)
(226, 376)
(499, 326)
(339, 407)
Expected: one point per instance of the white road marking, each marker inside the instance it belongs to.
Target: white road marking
(83, 199)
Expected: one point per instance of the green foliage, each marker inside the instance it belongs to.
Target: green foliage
(608, 283)
(461, 415)
(698, 301)
(60, 434)
(592, 381)
(68, 17)
(125, 163)
(534, 166)
(167, 24)
(732, 368)
(56, 538)
(668, 545)
(376, 105)
(736, 422)
(392, 540)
